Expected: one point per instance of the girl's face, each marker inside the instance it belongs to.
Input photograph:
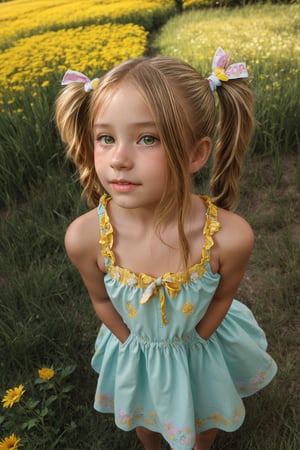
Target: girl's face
(129, 159)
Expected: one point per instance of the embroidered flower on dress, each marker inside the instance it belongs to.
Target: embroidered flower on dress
(188, 309)
(258, 380)
(199, 423)
(184, 436)
(131, 282)
(125, 419)
(219, 419)
(189, 436)
(105, 400)
(117, 275)
(194, 276)
(151, 419)
(132, 314)
(170, 430)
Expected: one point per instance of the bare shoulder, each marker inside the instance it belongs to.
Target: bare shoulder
(235, 237)
(82, 235)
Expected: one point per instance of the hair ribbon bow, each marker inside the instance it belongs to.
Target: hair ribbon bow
(221, 73)
(72, 76)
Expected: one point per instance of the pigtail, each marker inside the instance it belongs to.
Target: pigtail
(73, 123)
(236, 123)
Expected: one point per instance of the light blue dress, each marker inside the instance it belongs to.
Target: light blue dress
(165, 377)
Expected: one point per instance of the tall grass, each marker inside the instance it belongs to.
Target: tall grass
(267, 38)
(29, 145)
(45, 315)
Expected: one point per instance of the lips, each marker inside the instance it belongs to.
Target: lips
(123, 185)
(123, 182)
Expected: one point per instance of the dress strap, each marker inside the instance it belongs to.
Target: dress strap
(106, 232)
(211, 226)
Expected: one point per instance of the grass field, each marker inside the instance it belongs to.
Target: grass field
(46, 319)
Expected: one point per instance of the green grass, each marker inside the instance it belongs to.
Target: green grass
(266, 37)
(46, 317)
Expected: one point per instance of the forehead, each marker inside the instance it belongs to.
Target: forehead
(124, 99)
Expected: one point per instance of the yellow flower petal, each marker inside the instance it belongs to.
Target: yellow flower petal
(46, 373)
(13, 396)
(10, 443)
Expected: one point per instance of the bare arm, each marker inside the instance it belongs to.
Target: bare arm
(235, 243)
(81, 242)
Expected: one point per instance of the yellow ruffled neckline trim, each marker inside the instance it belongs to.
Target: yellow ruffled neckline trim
(142, 280)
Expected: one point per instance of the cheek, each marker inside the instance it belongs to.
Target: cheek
(98, 158)
(162, 167)
(154, 164)
(99, 163)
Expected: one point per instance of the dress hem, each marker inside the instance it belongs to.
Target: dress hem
(272, 374)
(157, 430)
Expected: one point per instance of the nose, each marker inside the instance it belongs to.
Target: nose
(121, 158)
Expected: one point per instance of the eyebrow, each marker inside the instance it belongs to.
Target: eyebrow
(137, 124)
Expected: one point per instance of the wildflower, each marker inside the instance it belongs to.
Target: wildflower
(13, 396)
(10, 443)
(46, 373)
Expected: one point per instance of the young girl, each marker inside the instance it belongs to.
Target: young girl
(175, 353)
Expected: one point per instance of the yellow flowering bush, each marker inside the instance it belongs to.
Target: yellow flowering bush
(24, 18)
(188, 4)
(32, 417)
(97, 48)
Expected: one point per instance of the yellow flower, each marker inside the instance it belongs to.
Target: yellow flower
(10, 443)
(132, 314)
(12, 396)
(46, 373)
(188, 309)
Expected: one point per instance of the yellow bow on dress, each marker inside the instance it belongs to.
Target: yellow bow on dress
(157, 287)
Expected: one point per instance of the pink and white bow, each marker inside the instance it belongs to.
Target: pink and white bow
(219, 73)
(72, 76)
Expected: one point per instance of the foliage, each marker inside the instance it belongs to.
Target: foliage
(31, 415)
(196, 4)
(29, 145)
(270, 46)
(46, 317)
(21, 18)
(38, 60)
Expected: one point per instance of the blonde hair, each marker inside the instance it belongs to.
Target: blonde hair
(184, 110)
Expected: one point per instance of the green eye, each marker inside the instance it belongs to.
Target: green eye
(108, 140)
(148, 140)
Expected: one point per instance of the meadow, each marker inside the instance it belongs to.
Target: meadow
(46, 319)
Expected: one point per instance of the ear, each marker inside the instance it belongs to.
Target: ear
(200, 154)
